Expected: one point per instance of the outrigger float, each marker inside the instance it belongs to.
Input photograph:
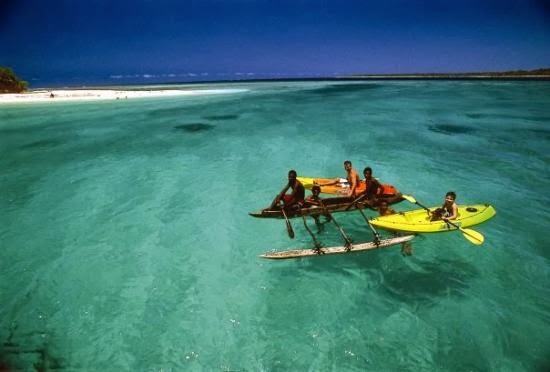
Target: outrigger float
(295, 253)
(331, 205)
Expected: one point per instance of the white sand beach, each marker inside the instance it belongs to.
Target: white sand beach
(42, 96)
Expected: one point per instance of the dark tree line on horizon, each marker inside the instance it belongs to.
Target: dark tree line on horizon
(10, 83)
(541, 72)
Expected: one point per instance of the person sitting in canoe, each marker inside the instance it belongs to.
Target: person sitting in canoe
(293, 201)
(352, 180)
(315, 201)
(373, 188)
(449, 209)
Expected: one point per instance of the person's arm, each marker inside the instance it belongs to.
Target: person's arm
(454, 214)
(379, 188)
(279, 196)
(310, 202)
(353, 183)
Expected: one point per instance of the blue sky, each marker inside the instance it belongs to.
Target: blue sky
(213, 39)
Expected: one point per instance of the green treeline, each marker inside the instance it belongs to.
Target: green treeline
(10, 83)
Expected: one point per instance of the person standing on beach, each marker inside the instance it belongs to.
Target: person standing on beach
(293, 201)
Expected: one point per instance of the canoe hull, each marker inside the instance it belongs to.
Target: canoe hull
(333, 205)
(298, 253)
(418, 220)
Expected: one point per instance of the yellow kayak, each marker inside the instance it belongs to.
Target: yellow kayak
(340, 186)
(418, 220)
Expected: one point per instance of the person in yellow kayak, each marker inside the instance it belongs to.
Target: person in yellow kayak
(385, 210)
(449, 209)
(293, 201)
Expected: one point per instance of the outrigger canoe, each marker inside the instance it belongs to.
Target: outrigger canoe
(332, 205)
(296, 253)
(419, 220)
(328, 186)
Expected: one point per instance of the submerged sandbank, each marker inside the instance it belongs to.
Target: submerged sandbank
(103, 94)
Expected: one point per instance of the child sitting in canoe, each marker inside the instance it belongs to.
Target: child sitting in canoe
(315, 201)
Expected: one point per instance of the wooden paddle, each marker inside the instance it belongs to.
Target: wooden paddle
(472, 236)
(289, 228)
(275, 202)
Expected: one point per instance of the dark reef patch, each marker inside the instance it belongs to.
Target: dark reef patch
(41, 144)
(195, 127)
(172, 111)
(537, 132)
(451, 129)
(345, 88)
(221, 117)
(476, 116)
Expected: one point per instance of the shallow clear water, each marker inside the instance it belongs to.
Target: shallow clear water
(126, 243)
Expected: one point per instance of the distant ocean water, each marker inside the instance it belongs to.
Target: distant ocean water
(126, 243)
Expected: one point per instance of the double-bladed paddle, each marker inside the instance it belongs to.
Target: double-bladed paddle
(473, 236)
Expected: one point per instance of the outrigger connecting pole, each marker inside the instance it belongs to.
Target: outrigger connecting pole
(375, 233)
(348, 244)
(315, 241)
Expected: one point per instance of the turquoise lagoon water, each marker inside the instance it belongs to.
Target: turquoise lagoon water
(126, 242)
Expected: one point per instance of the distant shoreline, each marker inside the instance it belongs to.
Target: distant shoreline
(448, 77)
(541, 73)
(536, 74)
(114, 92)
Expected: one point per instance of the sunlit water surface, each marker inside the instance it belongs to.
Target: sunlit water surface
(126, 242)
